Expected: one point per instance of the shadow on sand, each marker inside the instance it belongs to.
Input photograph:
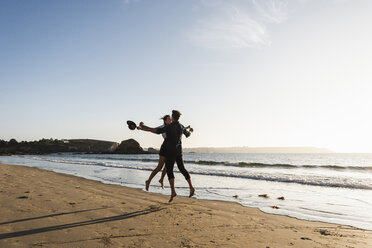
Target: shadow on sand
(77, 224)
(51, 215)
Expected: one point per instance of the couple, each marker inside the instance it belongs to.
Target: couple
(171, 150)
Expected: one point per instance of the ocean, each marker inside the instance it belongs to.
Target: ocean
(334, 188)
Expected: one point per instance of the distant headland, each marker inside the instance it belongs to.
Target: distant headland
(130, 146)
(45, 146)
(246, 149)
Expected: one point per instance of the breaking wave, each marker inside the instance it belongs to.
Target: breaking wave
(245, 164)
(314, 180)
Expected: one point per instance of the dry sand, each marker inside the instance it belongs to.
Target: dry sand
(46, 209)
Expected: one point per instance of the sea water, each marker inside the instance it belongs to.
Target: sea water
(334, 188)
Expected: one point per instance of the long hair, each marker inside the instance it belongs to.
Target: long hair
(164, 118)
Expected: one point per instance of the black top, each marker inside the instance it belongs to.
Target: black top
(174, 133)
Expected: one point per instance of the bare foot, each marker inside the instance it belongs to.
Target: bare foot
(147, 185)
(192, 192)
(172, 196)
(161, 183)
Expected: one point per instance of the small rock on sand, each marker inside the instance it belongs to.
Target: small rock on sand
(264, 196)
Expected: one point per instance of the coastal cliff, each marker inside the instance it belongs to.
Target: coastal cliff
(45, 146)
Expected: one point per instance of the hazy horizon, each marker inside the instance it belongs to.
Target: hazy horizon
(233, 149)
(270, 73)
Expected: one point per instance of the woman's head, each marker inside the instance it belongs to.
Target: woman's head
(166, 119)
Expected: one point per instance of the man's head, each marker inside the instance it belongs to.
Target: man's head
(176, 115)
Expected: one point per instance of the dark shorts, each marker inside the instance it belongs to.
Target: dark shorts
(163, 150)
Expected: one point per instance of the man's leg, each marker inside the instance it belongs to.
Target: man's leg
(185, 173)
(169, 164)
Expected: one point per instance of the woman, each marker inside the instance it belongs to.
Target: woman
(162, 153)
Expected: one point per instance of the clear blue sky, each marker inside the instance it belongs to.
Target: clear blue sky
(243, 73)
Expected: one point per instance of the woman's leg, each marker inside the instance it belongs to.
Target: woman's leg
(163, 173)
(155, 171)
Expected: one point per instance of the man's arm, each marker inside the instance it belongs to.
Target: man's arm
(190, 129)
(146, 128)
(186, 132)
(150, 129)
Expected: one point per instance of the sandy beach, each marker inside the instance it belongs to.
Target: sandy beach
(46, 209)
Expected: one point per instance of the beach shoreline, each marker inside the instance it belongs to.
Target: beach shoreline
(42, 208)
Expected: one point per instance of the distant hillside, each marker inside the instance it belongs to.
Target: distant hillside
(45, 146)
(257, 150)
(129, 146)
(90, 145)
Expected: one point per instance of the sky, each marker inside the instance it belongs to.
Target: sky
(258, 73)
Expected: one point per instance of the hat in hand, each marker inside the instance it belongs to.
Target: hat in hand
(131, 125)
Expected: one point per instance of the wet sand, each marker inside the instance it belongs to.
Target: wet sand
(45, 209)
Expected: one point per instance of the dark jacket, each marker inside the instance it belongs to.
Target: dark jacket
(174, 133)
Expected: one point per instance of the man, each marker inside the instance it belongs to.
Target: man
(173, 144)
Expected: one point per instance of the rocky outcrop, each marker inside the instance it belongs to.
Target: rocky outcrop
(129, 146)
(152, 150)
